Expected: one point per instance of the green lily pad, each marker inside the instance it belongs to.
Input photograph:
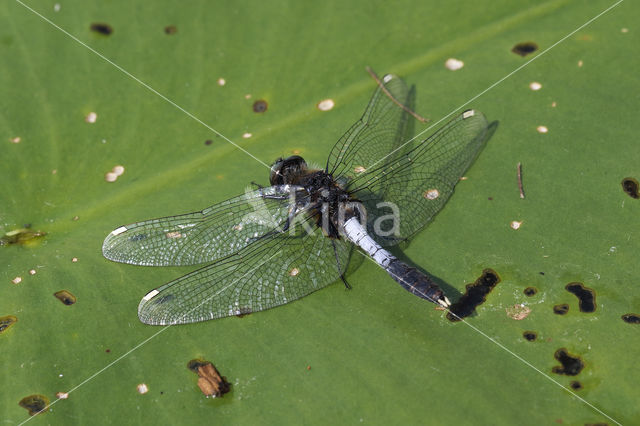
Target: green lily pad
(373, 354)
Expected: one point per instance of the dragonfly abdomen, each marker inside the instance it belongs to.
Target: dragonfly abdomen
(409, 278)
(417, 283)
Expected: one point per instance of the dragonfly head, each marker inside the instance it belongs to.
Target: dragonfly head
(287, 170)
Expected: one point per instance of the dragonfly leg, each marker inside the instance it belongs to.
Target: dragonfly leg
(342, 277)
(346, 284)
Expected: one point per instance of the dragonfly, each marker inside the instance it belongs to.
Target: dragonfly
(275, 244)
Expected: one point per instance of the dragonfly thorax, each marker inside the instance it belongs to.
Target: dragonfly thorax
(330, 204)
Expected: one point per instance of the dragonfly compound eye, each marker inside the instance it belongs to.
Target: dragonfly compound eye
(285, 171)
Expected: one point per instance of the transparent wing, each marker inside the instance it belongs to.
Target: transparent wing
(383, 127)
(414, 186)
(274, 270)
(203, 236)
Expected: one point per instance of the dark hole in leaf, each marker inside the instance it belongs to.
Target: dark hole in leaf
(530, 335)
(530, 291)
(561, 309)
(208, 142)
(474, 296)
(585, 295)
(575, 385)
(630, 186)
(65, 297)
(260, 106)
(631, 318)
(102, 28)
(6, 322)
(170, 29)
(571, 365)
(525, 48)
(34, 403)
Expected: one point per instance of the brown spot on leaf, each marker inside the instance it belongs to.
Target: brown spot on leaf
(260, 106)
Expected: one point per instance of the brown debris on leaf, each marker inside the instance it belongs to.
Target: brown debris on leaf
(210, 382)
(518, 312)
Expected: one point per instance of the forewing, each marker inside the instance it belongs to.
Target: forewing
(382, 128)
(416, 185)
(203, 236)
(274, 270)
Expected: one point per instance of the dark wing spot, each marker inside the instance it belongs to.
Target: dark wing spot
(164, 299)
